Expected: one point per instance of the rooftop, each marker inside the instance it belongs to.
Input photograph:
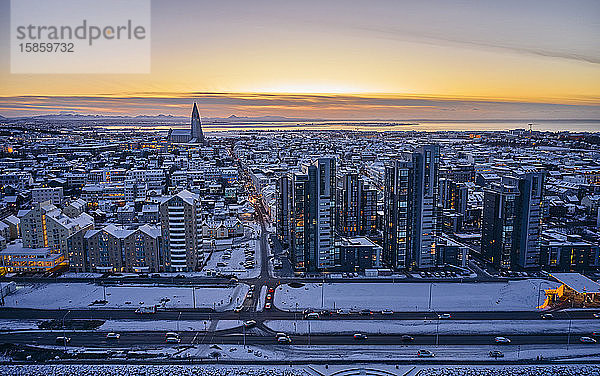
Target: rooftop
(577, 282)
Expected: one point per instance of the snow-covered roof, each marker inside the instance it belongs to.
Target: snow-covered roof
(577, 282)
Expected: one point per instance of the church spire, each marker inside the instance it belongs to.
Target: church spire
(196, 129)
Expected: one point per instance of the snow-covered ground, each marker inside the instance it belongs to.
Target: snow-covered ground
(80, 295)
(302, 370)
(8, 325)
(418, 327)
(150, 370)
(502, 296)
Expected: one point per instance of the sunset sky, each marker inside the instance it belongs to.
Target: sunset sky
(344, 60)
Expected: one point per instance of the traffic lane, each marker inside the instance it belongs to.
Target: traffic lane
(274, 313)
(82, 339)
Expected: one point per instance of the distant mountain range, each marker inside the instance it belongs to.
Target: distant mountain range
(160, 118)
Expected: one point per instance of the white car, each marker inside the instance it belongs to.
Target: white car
(113, 336)
(387, 312)
(597, 315)
(587, 340)
(173, 340)
(445, 316)
(501, 340)
(285, 339)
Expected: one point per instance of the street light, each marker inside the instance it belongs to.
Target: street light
(64, 331)
(569, 332)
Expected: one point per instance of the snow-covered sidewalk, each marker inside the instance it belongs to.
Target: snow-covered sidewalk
(501, 296)
(81, 295)
(428, 327)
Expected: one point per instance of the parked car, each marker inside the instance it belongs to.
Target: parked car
(425, 354)
(502, 340)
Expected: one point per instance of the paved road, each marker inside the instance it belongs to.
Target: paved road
(158, 338)
(273, 314)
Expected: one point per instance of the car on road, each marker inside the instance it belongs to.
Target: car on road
(269, 296)
(360, 336)
(366, 312)
(445, 316)
(387, 312)
(63, 340)
(547, 316)
(249, 295)
(595, 334)
(271, 290)
(249, 323)
(146, 310)
(280, 334)
(587, 340)
(496, 354)
(343, 312)
(407, 338)
(425, 354)
(268, 305)
(172, 334)
(502, 340)
(173, 340)
(312, 315)
(597, 315)
(113, 336)
(285, 339)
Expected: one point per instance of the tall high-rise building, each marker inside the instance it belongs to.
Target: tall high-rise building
(511, 228)
(356, 205)
(180, 223)
(411, 210)
(312, 216)
(426, 165)
(283, 210)
(196, 131)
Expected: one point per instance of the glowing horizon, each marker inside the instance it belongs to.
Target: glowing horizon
(340, 59)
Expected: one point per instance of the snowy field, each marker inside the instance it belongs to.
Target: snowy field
(501, 296)
(149, 370)
(428, 327)
(316, 370)
(80, 295)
